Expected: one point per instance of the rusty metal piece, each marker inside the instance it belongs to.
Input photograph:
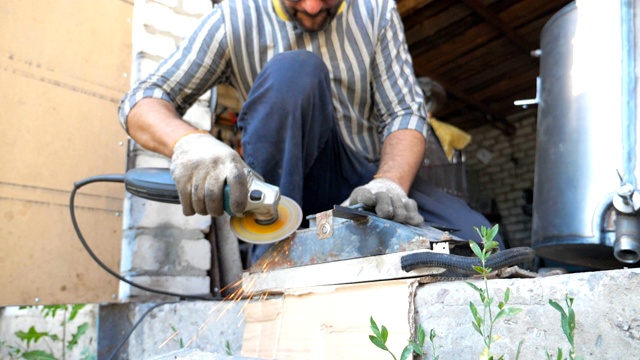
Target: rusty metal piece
(324, 224)
(354, 234)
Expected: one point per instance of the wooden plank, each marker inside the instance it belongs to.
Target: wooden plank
(63, 78)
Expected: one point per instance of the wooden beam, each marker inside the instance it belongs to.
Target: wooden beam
(500, 25)
(492, 118)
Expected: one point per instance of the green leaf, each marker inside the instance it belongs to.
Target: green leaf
(493, 232)
(477, 328)
(406, 353)
(557, 306)
(51, 310)
(421, 335)
(474, 287)
(474, 310)
(479, 269)
(81, 330)
(374, 327)
(31, 335)
(500, 305)
(476, 249)
(518, 350)
(559, 357)
(566, 328)
(227, 348)
(385, 334)
(38, 355)
(74, 311)
(416, 348)
(377, 342)
(513, 311)
(488, 246)
(507, 295)
(432, 335)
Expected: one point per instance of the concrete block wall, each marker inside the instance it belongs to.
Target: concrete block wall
(162, 248)
(502, 168)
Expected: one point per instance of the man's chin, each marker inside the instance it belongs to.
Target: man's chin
(313, 26)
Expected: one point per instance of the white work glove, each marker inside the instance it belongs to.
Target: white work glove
(389, 200)
(201, 165)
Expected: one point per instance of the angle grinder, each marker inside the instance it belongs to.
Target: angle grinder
(269, 216)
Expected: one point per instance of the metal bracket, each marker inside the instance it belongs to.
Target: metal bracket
(324, 224)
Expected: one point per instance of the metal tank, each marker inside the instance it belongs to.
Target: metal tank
(585, 201)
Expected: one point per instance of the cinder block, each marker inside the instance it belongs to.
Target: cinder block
(151, 214)
(199, 116)
(160, 18)
(187, 285)
(195, 254)
(146, 65)
(157, 45)
(168, 3)
(196, 7)
(147, 159)
(149, 254)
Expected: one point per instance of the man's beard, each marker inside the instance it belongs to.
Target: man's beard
(329, 15)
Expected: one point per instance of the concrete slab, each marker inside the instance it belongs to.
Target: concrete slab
(606, 308)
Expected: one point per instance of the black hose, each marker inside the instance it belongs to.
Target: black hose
(465, 264)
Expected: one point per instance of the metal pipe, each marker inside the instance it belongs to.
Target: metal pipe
(626, 247)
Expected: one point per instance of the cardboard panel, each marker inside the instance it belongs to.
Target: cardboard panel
(328, 322)
(63, 66)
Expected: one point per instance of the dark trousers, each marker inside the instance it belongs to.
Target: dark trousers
(290, 137)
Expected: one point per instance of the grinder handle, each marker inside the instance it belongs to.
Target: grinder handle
(156, 184)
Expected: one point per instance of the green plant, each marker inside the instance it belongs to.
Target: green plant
(432, 336)
(380, 335)
(484, 321)
(568, 323)
(227, 348)
(32, 336)
(179, 339)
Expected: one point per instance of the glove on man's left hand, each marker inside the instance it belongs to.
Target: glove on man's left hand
(389, 201)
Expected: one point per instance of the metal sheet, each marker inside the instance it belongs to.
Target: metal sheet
(354, 234)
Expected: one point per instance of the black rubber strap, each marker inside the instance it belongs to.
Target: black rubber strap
(465, 264)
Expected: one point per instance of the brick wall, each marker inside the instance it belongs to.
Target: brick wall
(505, 175)
(162, 248)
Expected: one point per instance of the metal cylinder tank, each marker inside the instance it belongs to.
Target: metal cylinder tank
(586, 134)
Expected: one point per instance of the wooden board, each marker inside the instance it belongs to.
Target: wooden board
(64, 66)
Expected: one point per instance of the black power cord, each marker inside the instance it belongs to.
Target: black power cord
(117, 178)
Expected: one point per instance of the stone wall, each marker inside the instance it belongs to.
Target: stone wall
(501, 168)
(162, 248)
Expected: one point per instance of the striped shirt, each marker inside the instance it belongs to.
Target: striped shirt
(374, 90)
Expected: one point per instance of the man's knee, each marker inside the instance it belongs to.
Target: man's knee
(298, 73)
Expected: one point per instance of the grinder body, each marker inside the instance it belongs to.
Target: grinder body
(272, 217)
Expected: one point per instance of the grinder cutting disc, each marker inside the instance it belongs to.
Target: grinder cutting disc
(289, 219)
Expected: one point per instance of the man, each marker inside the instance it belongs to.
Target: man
(332, 110)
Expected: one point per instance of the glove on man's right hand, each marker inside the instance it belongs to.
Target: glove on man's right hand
(389, 200)
(201, 165)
